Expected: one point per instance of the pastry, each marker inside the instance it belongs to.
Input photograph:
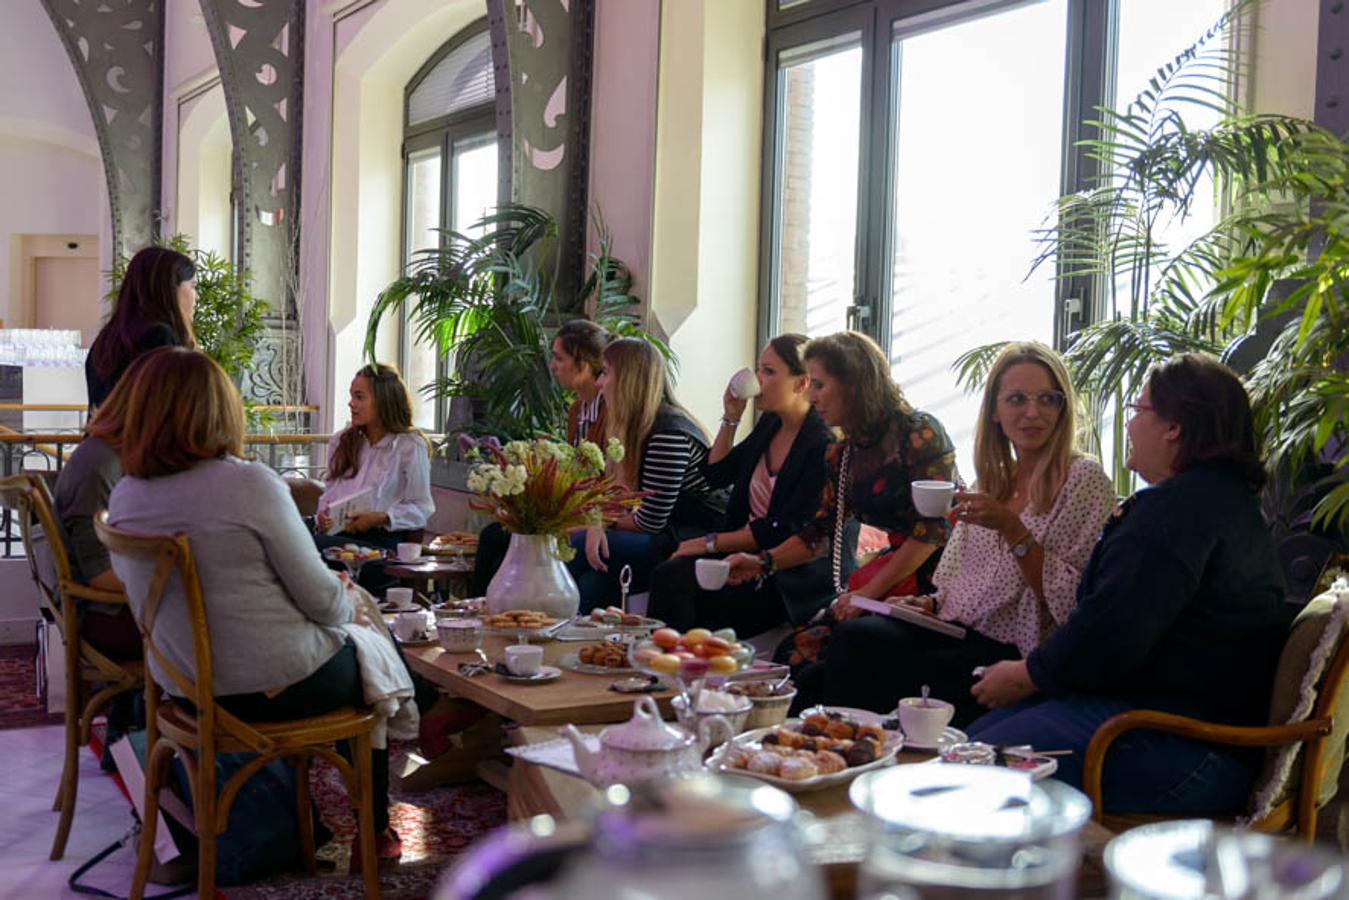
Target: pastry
(841, 729)
(861, 753)
(872, 732)
(798, 768)
(764, 763)
(829, 762)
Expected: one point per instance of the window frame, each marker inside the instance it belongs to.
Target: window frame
(1092, 27)
(441, 133)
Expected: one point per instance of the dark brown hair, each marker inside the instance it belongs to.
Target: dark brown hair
(584, 341)
(393, 408)
(181, 408)
(788, 348)
(110, 419)
(1213, 410)
(148, 297)
(854, 359)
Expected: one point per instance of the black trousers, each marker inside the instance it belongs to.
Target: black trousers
(873, 662)
(334, 684)
(677, 600)
(493, 541)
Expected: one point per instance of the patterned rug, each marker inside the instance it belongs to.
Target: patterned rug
(21, 706)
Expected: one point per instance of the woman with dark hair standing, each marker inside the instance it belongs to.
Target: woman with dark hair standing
(382, 456)
(1180, 609)
(776, 476)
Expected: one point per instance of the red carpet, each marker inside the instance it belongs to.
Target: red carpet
(20, 704)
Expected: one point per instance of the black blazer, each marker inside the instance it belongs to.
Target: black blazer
(794, 502)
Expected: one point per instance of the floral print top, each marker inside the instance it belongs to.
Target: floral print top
(915, 447)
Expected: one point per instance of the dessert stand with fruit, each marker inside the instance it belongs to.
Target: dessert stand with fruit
(353, 556)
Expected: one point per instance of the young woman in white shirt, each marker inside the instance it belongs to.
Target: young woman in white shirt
(1010, 570)
(381, 455)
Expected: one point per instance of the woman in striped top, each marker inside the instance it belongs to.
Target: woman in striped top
(665, 450)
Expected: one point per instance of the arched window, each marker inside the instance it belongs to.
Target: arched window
(449, 173)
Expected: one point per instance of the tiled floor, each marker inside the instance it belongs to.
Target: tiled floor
(30, 766)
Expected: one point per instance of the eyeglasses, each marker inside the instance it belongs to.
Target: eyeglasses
(1045, 399)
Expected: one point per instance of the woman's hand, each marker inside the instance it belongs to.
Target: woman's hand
(922, 603)
(744, 567)
(843, 609)
(985, 510)
(732, 407)
(1003, 684)
(323, 520)
(597, 549)
(691, 547)
(366, 521)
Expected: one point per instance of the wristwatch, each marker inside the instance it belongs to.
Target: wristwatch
(1022, 547)
(710, 541)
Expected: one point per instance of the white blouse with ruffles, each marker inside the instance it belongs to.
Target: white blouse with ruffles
(396, 471)
(980, 584)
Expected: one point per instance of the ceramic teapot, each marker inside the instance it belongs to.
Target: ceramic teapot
(645, 747)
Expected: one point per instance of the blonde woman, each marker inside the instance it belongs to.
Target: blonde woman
(665, 449)
(1010, 571)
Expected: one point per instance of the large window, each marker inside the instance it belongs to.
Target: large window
(913, 147)
(450, 177)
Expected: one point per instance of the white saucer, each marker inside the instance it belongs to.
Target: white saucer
(544, 675)
(948, 736)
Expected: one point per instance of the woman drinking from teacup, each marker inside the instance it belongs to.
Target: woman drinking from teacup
(886, 446)
(379, 470)
(1180, 608)
(1009, 573)
(664, 450)
(776, 476)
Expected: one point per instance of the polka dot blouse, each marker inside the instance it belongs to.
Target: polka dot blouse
(979, 582)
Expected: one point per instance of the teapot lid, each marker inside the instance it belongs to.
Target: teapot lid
(645, 731)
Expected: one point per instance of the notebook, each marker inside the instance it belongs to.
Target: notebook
(910, 615)
(344, 510)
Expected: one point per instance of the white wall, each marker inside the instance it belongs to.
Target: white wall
(51, 177)
(1283, 70)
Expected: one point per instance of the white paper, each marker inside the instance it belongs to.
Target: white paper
(344, 510)
(129, 768)
(913, 616)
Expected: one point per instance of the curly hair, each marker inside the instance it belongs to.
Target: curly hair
(855, 360)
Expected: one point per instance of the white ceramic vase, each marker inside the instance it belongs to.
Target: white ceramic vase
(532, 577)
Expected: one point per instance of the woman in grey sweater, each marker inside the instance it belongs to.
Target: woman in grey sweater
(275, 609)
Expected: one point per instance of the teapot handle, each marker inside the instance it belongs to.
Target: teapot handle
(713, 729)
(645, 707)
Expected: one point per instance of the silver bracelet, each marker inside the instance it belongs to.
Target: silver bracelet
(730, 423)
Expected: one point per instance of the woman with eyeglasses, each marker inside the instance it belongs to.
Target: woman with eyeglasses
(1010, 570)
(1180, 609)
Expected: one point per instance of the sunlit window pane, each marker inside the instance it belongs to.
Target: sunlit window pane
(423, 211)
(978, 136)
(475, 181)
(817, 177)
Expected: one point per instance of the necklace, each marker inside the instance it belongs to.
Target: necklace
(840, 509)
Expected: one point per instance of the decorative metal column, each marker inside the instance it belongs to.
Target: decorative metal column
(117, 49)
(1332, 67)
(548, 48)
(259, 49)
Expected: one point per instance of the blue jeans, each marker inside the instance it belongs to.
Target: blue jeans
(1145, 771)
(599, 589)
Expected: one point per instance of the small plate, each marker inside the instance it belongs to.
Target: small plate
(948, 737)
(543, 676)
(419, 642)
(573, 662)
(715, 762)
(1037, 767)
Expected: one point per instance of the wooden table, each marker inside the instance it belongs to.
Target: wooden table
(434, 570)
(576, 698)
(533, 789)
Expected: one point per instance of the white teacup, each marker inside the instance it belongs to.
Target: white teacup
(459, 635)
(933, 498)
(923, 721)
(413, 626)
(712, 573)
(745, 384)
(409, 551)
(524, 659)
(399, 598)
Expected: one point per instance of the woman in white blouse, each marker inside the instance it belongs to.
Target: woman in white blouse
(1009, 573)
(381, 463)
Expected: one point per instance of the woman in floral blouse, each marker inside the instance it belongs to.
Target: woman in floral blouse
(1009, 573)
(886, 446)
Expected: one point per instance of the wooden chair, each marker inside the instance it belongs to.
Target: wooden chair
(195, 736)
(1296, 796)
(91, 678)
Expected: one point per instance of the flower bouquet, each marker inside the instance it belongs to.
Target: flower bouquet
(540, 491)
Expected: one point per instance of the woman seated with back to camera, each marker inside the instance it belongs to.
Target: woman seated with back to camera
(1009, 573)
(275, 610)
(1181, 609)
(776, 476)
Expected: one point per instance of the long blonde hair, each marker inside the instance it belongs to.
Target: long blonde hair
(994, 464)
(639, 384)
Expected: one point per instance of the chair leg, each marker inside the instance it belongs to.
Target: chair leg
(156, 769)
(70, 775)
(305, 815)
(365, 814)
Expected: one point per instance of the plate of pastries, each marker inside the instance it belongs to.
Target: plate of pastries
(824, 748)
(452, 543)
(515, 622)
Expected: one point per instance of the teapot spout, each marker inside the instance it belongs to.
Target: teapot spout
(587, 760)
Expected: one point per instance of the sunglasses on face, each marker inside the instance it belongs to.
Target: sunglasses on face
(1044, 399)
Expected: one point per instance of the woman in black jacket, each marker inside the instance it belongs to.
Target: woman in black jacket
(777, 475)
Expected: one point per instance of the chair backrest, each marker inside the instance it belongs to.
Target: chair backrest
(171, 555)
(1314, 666)
(306, 493)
